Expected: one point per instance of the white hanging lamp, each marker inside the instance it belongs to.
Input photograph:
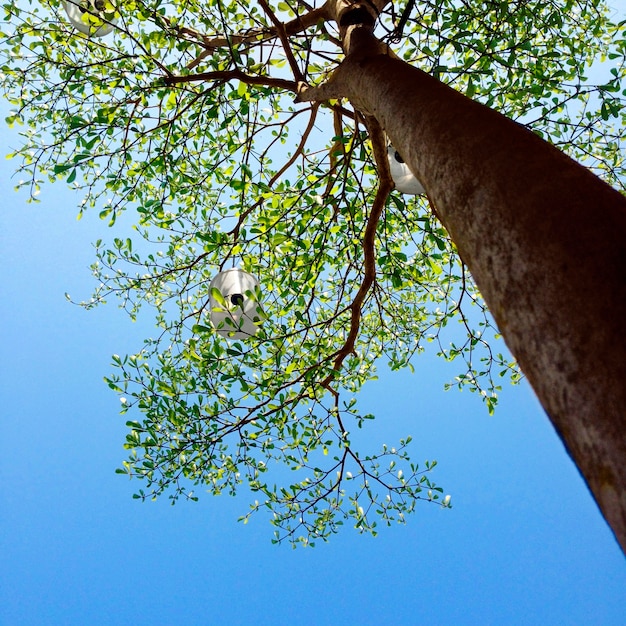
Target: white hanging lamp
(95, 18)
(402, 176)
(235, 308)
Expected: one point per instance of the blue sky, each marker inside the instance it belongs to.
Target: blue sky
(524, 543)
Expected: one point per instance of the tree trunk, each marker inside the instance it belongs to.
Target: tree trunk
(544, 239)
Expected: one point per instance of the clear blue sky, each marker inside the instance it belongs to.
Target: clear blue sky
(524, 543)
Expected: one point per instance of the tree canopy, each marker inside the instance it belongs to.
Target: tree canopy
(187, 117)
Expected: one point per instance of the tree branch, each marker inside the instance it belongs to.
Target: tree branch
(281, 32)
(288, 29)
(227, 75)
(385, 185)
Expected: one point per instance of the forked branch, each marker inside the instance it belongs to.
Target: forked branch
(278, 30)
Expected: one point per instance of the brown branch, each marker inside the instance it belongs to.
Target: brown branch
(301, 145)
(279, 27)
(337, 146)
(227, 75)
(312, 18)
(299, 150)
(328, 90)
(288, 29)
(377, 138)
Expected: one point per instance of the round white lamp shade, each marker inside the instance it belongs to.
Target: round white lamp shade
(402, 175)
(237, 313)
(91, 16)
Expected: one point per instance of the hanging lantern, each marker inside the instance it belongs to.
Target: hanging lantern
(402, 176)
(235, 309)
(95, 18)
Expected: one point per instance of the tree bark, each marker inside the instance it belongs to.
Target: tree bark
(544, 239)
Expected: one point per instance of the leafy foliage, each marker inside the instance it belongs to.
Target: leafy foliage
(186, 116)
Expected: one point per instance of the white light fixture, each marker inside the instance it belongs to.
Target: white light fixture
(402, 176)
(95, 18)
(235, 307)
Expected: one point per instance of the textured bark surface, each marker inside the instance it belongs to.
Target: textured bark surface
(544, 239)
